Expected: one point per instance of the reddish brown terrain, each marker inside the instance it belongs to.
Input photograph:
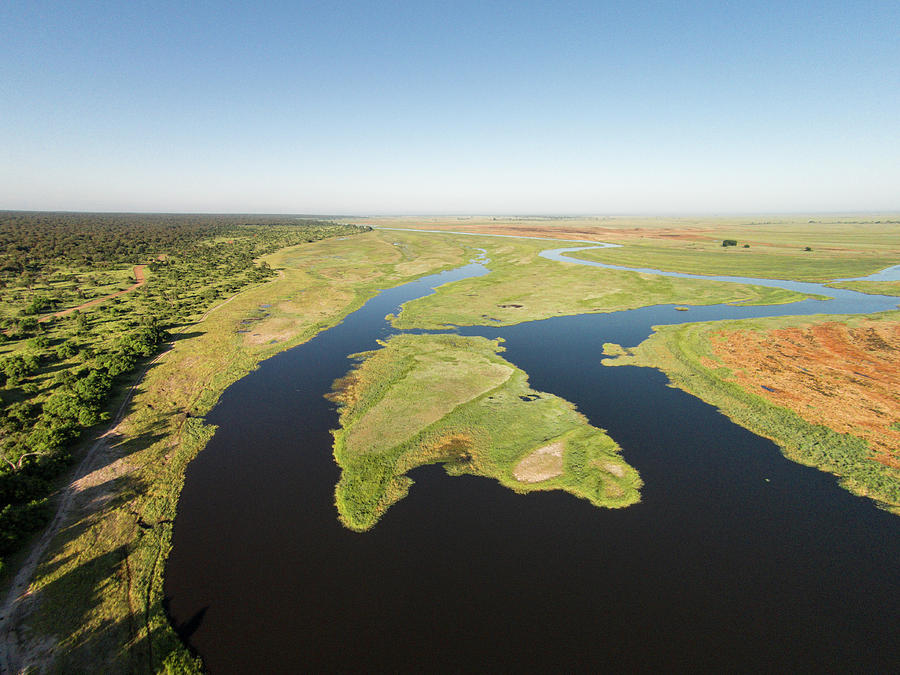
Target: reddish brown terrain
(844, 377)
(585, 232)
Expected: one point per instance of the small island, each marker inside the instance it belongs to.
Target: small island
(428, 399)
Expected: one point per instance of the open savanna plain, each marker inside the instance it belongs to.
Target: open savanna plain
(95, 602)
(771, 247)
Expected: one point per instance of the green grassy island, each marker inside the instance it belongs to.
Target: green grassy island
(523, 286)
(426, 399)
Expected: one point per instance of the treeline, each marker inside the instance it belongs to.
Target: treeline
(59, 374)
(32, 240)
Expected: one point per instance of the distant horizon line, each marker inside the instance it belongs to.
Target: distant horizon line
(469, 215)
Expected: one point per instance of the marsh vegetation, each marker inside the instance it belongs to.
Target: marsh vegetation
(425, 399)
(824, 388)
(415, 400)
(522, 286)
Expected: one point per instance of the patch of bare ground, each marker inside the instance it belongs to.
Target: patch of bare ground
(92, 487)
(844, 377)
(542, 464)
(616, 470)
(277, 329)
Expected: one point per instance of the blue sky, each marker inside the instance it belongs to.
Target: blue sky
(450, 107)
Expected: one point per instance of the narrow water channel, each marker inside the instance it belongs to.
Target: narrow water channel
(735, 558)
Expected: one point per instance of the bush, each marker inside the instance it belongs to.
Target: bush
(729, 242)
(38, 304)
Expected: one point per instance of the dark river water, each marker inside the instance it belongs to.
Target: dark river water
(736, 558)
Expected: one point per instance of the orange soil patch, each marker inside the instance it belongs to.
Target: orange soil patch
(846, 378)
(569, 232)
(138, 275)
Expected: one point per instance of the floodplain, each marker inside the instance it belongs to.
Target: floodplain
(415, 399)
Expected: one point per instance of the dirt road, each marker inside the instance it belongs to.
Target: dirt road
(138, 274)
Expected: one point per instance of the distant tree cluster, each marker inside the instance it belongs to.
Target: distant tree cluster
(57, 374)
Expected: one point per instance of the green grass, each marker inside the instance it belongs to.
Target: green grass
(98, 591)
(772, 255)
(684, 354)
(99, 588)
(871, 287)
(843, 246)
(454, 400)
(524, 287)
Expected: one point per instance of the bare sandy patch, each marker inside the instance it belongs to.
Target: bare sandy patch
(277, 329)
(542, 464)
(616, 470)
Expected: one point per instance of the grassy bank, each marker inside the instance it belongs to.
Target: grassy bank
(789, 381)
(77, 318)
(796, 251)
(95, 604)
(870, 287)
(525, 287)
(426, 399)
(841, 246)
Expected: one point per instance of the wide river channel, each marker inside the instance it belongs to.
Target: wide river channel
(735, 559)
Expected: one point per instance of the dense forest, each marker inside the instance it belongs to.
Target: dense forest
(59, 374)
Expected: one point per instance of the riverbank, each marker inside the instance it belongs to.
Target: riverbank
(823, 388)
(719, 566)
(99, 592)
(524, 286)
(96, 601)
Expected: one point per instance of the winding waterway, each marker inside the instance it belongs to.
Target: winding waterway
(735, 558)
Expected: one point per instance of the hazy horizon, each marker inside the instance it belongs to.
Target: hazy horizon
(535, 108)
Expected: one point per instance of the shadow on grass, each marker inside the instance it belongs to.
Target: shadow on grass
(177, 337)
(101, 570)
(53, 368)
(141, 642)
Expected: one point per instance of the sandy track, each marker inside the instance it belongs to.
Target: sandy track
(141, 280)
(15, 656)
(16, 602)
